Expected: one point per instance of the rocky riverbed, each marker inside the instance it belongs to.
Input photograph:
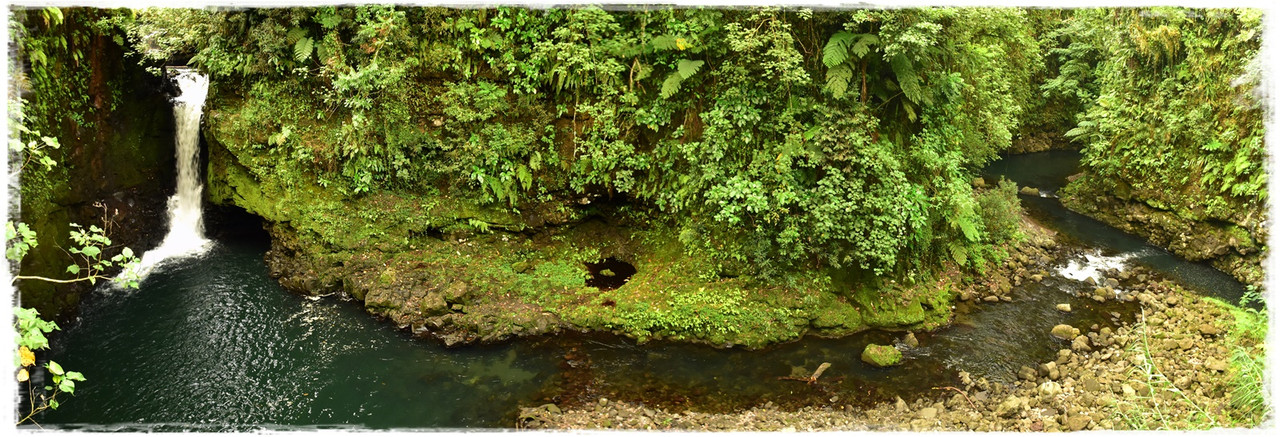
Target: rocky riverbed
(1169, 369)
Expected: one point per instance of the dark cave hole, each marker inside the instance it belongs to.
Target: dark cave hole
(610, 273)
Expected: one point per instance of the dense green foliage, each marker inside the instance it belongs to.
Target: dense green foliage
(772, 138)
(1169, 110)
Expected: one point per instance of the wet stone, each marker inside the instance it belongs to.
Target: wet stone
(910, 340)
(1064, 332)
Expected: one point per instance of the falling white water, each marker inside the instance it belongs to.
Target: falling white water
(186, 230)
(1093, 265)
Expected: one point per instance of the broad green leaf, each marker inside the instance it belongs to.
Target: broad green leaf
(91, 251)
(54, 368)
(68, 386)
(73, 269)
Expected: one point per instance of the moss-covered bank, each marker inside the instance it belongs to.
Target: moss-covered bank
(455, 169)
(115, 164)
(406, 259)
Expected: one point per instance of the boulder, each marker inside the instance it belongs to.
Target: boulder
(1010, 406)
(1078, 422)
(1027, 373)
(1080, 344)
(1050, 389)
(455, 292)
(432, 305)
(1064, 307)
(1030, 191)
(881, 356)
(1065, 332)
(910, 340)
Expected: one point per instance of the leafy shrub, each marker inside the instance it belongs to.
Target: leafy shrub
(1001, 211)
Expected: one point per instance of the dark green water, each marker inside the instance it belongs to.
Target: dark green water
(213, 344)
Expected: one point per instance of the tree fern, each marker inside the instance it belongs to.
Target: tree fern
(863, 46)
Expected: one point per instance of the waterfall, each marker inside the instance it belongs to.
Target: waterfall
(186, 230)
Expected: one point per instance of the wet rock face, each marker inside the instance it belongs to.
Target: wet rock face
(115, 173)
(1231, 245)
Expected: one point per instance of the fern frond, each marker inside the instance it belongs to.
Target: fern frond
(688, 68)
(664, 42)
(908, 80)
(838, 78)
(837, 49)
(295, 34)
(863, 46)
(671, 85)
(302, 50)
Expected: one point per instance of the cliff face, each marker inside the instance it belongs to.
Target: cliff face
(1173, 142)
(115, 165)
(767, 172)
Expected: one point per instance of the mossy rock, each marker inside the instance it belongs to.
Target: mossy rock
(1065, 332)
(881, 355)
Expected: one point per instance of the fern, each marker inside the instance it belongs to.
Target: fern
(838, 78)
(302, 50)
(688, 68)
(908, 80)
(525, 178)
(684, 70)
(671, 85)
(664, 42)
(863, 46)
(836, 51)
(295, 34)
(958, 253)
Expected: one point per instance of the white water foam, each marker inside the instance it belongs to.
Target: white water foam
(186, 227)
(1093, 265)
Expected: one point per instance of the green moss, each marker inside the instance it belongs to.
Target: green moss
(924, 305)
(881, 356)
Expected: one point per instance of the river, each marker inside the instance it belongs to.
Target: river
(211, 343)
